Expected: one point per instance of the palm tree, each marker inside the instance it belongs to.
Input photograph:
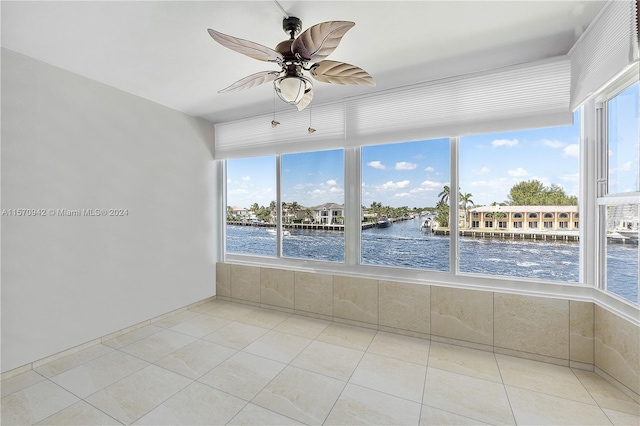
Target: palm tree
(444, 195)
(308, 214)
(294, 207)
(465, 200)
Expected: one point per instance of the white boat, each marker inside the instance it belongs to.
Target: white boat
(273, 231)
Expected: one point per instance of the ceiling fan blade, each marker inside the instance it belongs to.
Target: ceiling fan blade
(306, 100)
(246, 47)
(251, 81)
(341, 73)
(317, 42)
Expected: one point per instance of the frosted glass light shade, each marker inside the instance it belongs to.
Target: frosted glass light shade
(291, 89)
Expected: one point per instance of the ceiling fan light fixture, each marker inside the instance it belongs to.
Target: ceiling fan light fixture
(291, 89)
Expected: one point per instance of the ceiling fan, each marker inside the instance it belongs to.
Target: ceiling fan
(295, 55)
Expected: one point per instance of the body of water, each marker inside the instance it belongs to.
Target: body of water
(404, 245)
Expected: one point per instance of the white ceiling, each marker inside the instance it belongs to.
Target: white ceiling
(161, 50)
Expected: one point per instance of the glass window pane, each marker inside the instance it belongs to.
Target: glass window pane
(405, 196)
(518, 203)
(313, 205)
(251, 213)
(622, 135)
(622, 251)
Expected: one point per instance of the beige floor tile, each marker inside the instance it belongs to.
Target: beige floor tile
(541, 377)
(400, 347)
(200, 325)
(530, 407)
(195, 359)
(301, 395)
(35, 403)
(67, 363)
(159, 345)
(605, 394)
(99, 373)
(303, 326)
(208, 306)
(197, 404)
(433, 416)
(467, 396)
(243, 375)
(19, 382)
(176, 319)
(470, 362)
(236, 335)
(136, 395)
(79, 414)
(619, 418)
(228, 310)
(362, 406)
(281, 347)
(253, 415)
(331, 360)
(392, 376)
(264, 318)
(132, 336)
(348, 336)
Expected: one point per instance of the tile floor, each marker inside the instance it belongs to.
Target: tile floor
(227, 363)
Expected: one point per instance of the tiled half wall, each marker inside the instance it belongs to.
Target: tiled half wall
(559, 331)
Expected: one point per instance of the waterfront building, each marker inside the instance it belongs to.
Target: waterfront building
(148, 318)
(328, 213)
(524, 218)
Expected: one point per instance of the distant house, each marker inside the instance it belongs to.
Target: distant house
(521, 218)
(239, 211)
(328, 213)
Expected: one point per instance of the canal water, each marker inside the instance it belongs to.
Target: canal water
(404, 245)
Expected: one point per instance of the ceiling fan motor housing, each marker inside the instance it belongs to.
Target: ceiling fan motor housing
(292, 26)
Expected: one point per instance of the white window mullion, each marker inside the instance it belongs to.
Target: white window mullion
(352, 205)
(454, 204)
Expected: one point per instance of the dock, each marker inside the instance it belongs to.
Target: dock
(514, 235)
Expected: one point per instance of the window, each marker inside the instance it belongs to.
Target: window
(313, 194)
(548, 216)
(251, 206)
(502, 225)
(475, 224)
(488, 224)
(406, 198)
(619, 199)
(511, 174)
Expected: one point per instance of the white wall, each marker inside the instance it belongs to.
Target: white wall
(72, 143)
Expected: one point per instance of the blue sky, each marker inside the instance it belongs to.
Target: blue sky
(414, 173)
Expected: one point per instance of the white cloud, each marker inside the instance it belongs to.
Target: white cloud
(429, 169)
(335, 190)
(246, 178)
(402, 195)
(482, 171)
(431, 184)
(572, 150)
(395, 185)
(377, 165)
(552, 143)
(331, 182)
(625, 167)
(504, 142)
(298, 186)
(238, 192)
(571, 178)
(518, 172)
(403, 165)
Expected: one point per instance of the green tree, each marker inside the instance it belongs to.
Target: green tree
(465, 201)
(444, 195)
(534, 193)
(442, 214)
